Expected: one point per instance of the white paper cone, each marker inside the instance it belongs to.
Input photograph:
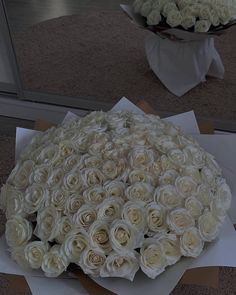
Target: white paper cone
(183, 65)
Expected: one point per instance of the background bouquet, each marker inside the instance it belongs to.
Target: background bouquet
(198, 16)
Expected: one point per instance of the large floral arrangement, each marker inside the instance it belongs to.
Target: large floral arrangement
(112, 193)
(198, 16)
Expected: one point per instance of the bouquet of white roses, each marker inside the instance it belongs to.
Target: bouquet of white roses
(112, 193)
(197, 16)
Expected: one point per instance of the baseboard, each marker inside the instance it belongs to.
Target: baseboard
(15, 108)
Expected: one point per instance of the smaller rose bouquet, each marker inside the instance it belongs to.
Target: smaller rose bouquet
(195, 16)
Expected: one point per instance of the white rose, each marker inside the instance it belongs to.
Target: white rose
(92, 176)
(91, 261)
(204, 194)
(186, 140)
(168, 177)
(167, 196)
(140, 191)
(202, 26)
(99, 236)
(213, 165)
(110, 209)
(73, 203)
(40, 174)
(123, 265)
(188, 21)
(141, 157)
(94, 195)
(156, 217)
(109, 169)
(204, 12)
(224, 14)
(166, 164)
(71, 162)
(18, 255)
(118, 120)
(92, 161)
(178, 157)
(193, 172)
(55, 178)
(54, 262)
(154, 17)
(214, 17)
(208, 227)
(64, 226)
(47, 221)
(35, 196)
(196, 155)
(48, 154)
(152, 258)
(85, 216)
(122, 169)
(164, 143)
(19, 176)
(184, 3)
(171, 248)
(124, 237)
(222, 200)
(134, 213)
(57, 198)
(73, 181)
(208, 177)
(18, 231)
(191, 244)
(193, 206)
(14, 201)
(155, 168)
(74, 244)
(146, 8)
(34, 252)
(186, 186)
(168, 7)
(115, 188)
(81, 141)
(66, 148)
(179, 220)
(138, 175)
(174, 18)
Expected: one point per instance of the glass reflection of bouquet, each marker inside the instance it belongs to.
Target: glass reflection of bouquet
(194, 16)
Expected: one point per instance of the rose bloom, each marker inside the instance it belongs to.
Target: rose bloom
(74, 244)
(73, 203)
(99, 236)
(180, 220)
(152, 258)
(140, 191)
(54, 262)
(124, 237)
(91, 261)
(18, 231)
(134, 213)
(171, 247)
(85, 216)
(94, 195)
(110, 209)
(191, 243)
(34, 252)
(156, 217)
(167, 196)
(122, 265)
(47, 221)
(115, 188)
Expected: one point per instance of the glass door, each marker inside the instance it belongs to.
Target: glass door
(66, 49)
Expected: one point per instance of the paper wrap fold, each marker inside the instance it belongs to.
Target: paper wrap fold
(181, 66)
(219, 253)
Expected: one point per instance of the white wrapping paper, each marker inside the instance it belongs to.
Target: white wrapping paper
(219, 253)
(181, 66)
